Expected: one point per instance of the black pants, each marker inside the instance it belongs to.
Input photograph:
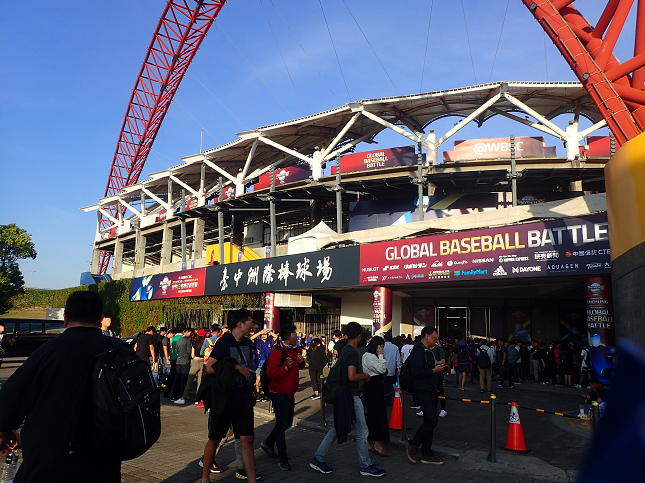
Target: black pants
(171, 378)
(283, 410)
(474, 372)
(424, 435)
(504, 373)
(440, 391)
(315, 380)
(181, 378)
(388, 389)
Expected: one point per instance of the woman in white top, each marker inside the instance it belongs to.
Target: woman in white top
(374, 365)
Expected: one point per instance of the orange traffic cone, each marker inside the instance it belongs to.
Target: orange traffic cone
(396, 420)
(515, 437)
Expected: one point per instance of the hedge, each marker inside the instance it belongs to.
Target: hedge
(129, 317)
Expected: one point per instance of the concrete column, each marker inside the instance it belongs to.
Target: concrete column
(96, 257)
(237, 228)
(572, 141)
(139, 254)
(315, 210)
(198, 238)
(239, 184)
(316, 165)
(166, 245)
(117, 259)
(431, 152)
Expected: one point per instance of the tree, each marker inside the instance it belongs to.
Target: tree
(15, 244)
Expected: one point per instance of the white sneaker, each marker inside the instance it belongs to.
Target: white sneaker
(180, 401)
(420, 414)
(581, 414)
(443, 414)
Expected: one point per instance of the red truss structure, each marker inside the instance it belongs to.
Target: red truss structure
(181, 29)
(615, 87)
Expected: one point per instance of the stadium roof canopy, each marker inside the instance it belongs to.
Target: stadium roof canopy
(321, 137)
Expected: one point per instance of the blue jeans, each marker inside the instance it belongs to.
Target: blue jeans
(423, 437)
(361, 437)
(163, 369)
(283, 409)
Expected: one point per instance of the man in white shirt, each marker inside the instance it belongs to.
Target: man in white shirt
(330, 348)
(393, 361)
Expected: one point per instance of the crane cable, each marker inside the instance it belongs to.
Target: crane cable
(283, 60)
(426, 52)
(246, 94)
(498, 41)
(335, 52)
(373, 51)
(472, 63)
(303, 49)
(254, 70)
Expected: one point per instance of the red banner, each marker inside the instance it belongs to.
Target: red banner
(475, 149)
(600, 326)
(271, 313)
(382, 310)
(283, 176)
(384, 158)
(597, 147)
(565, 247)
(187, 283)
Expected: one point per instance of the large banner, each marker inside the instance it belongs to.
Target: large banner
(496, 148)
(600, 326)
(283, 176)
(383, 158)
(574, 246)
(305, 271)
(381, 310)
(187, 283)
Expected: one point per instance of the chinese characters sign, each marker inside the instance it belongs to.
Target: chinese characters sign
(573, 246)
(306, 271)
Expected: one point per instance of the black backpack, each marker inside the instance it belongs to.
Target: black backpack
(462, 354)
(483, 360)
(264, 377)
(125, 402)
(332, 382)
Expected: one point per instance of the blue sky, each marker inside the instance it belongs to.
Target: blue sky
(69, 68)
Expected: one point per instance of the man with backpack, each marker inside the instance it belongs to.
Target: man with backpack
(485, 365)
(282, 369)
(48, 392)
(424, 369)
(348, 391)
(463, 362)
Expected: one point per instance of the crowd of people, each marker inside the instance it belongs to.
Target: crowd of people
(234, 367)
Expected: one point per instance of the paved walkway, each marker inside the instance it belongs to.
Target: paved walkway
(556, 444)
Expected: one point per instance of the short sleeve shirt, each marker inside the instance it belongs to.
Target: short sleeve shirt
(350, 358)
(225, 347)
(144, 341)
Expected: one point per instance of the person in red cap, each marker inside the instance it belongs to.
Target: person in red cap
(196, 362)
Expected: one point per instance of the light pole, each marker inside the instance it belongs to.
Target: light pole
(31, 276)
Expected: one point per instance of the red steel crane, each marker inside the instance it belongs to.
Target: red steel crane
(179, 33)
(616, 88)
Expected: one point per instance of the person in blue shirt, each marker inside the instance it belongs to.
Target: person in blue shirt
(264, 342)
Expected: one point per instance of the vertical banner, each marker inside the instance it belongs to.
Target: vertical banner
(424, 316)
(271, 313)
(600, 326)
(381, 310)
(518, 324)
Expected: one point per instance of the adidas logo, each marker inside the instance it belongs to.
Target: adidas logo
(499, 272)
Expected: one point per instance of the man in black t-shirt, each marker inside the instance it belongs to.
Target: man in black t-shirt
(144, 347)
(239, 406)
(349, 377)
